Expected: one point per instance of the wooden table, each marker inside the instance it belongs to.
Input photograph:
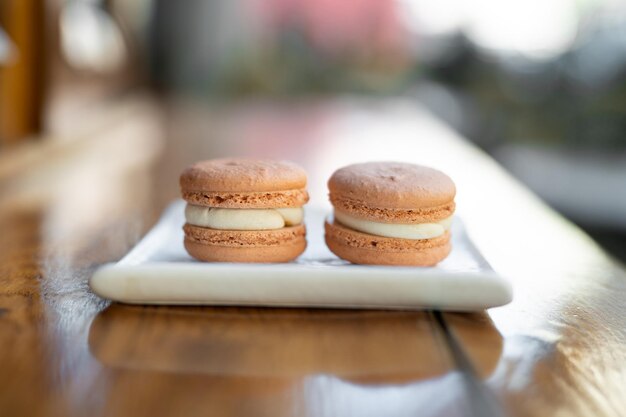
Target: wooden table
(558, 349)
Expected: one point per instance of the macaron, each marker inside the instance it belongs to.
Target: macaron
(244, 210)
(390, 213)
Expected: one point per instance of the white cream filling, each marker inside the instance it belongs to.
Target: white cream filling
(243, 219)
(403, 231)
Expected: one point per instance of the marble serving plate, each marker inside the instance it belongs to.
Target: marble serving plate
(159, 271)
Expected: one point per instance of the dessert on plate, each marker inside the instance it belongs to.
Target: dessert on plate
(244, 210)
(390, 213)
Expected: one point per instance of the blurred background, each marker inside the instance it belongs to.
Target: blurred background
(538, 84)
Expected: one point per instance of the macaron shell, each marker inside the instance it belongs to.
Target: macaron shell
(249, 254)
(238, 238)
(386, 215)
(392, 185)
(237, 175)
(243, 200)
(361, 248)
(265, 246)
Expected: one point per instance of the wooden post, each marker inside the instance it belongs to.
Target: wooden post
(22, 78)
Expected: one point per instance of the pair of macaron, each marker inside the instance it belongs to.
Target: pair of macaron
(385, 213)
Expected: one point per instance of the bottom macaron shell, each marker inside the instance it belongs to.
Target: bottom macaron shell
(262, 246)
(361, 248)
(258, 254)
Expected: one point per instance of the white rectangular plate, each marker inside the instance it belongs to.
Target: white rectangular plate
(159, 271)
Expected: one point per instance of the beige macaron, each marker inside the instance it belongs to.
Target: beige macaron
(244, 210)
(390, 213)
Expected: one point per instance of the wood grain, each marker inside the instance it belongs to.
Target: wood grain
(557, 349)
(565, 332)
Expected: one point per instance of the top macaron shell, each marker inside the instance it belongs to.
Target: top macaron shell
(392, 192)
(244, 183)
(237, 174)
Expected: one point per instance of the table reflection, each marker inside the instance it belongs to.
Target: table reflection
(312, 362)
(283, 343)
